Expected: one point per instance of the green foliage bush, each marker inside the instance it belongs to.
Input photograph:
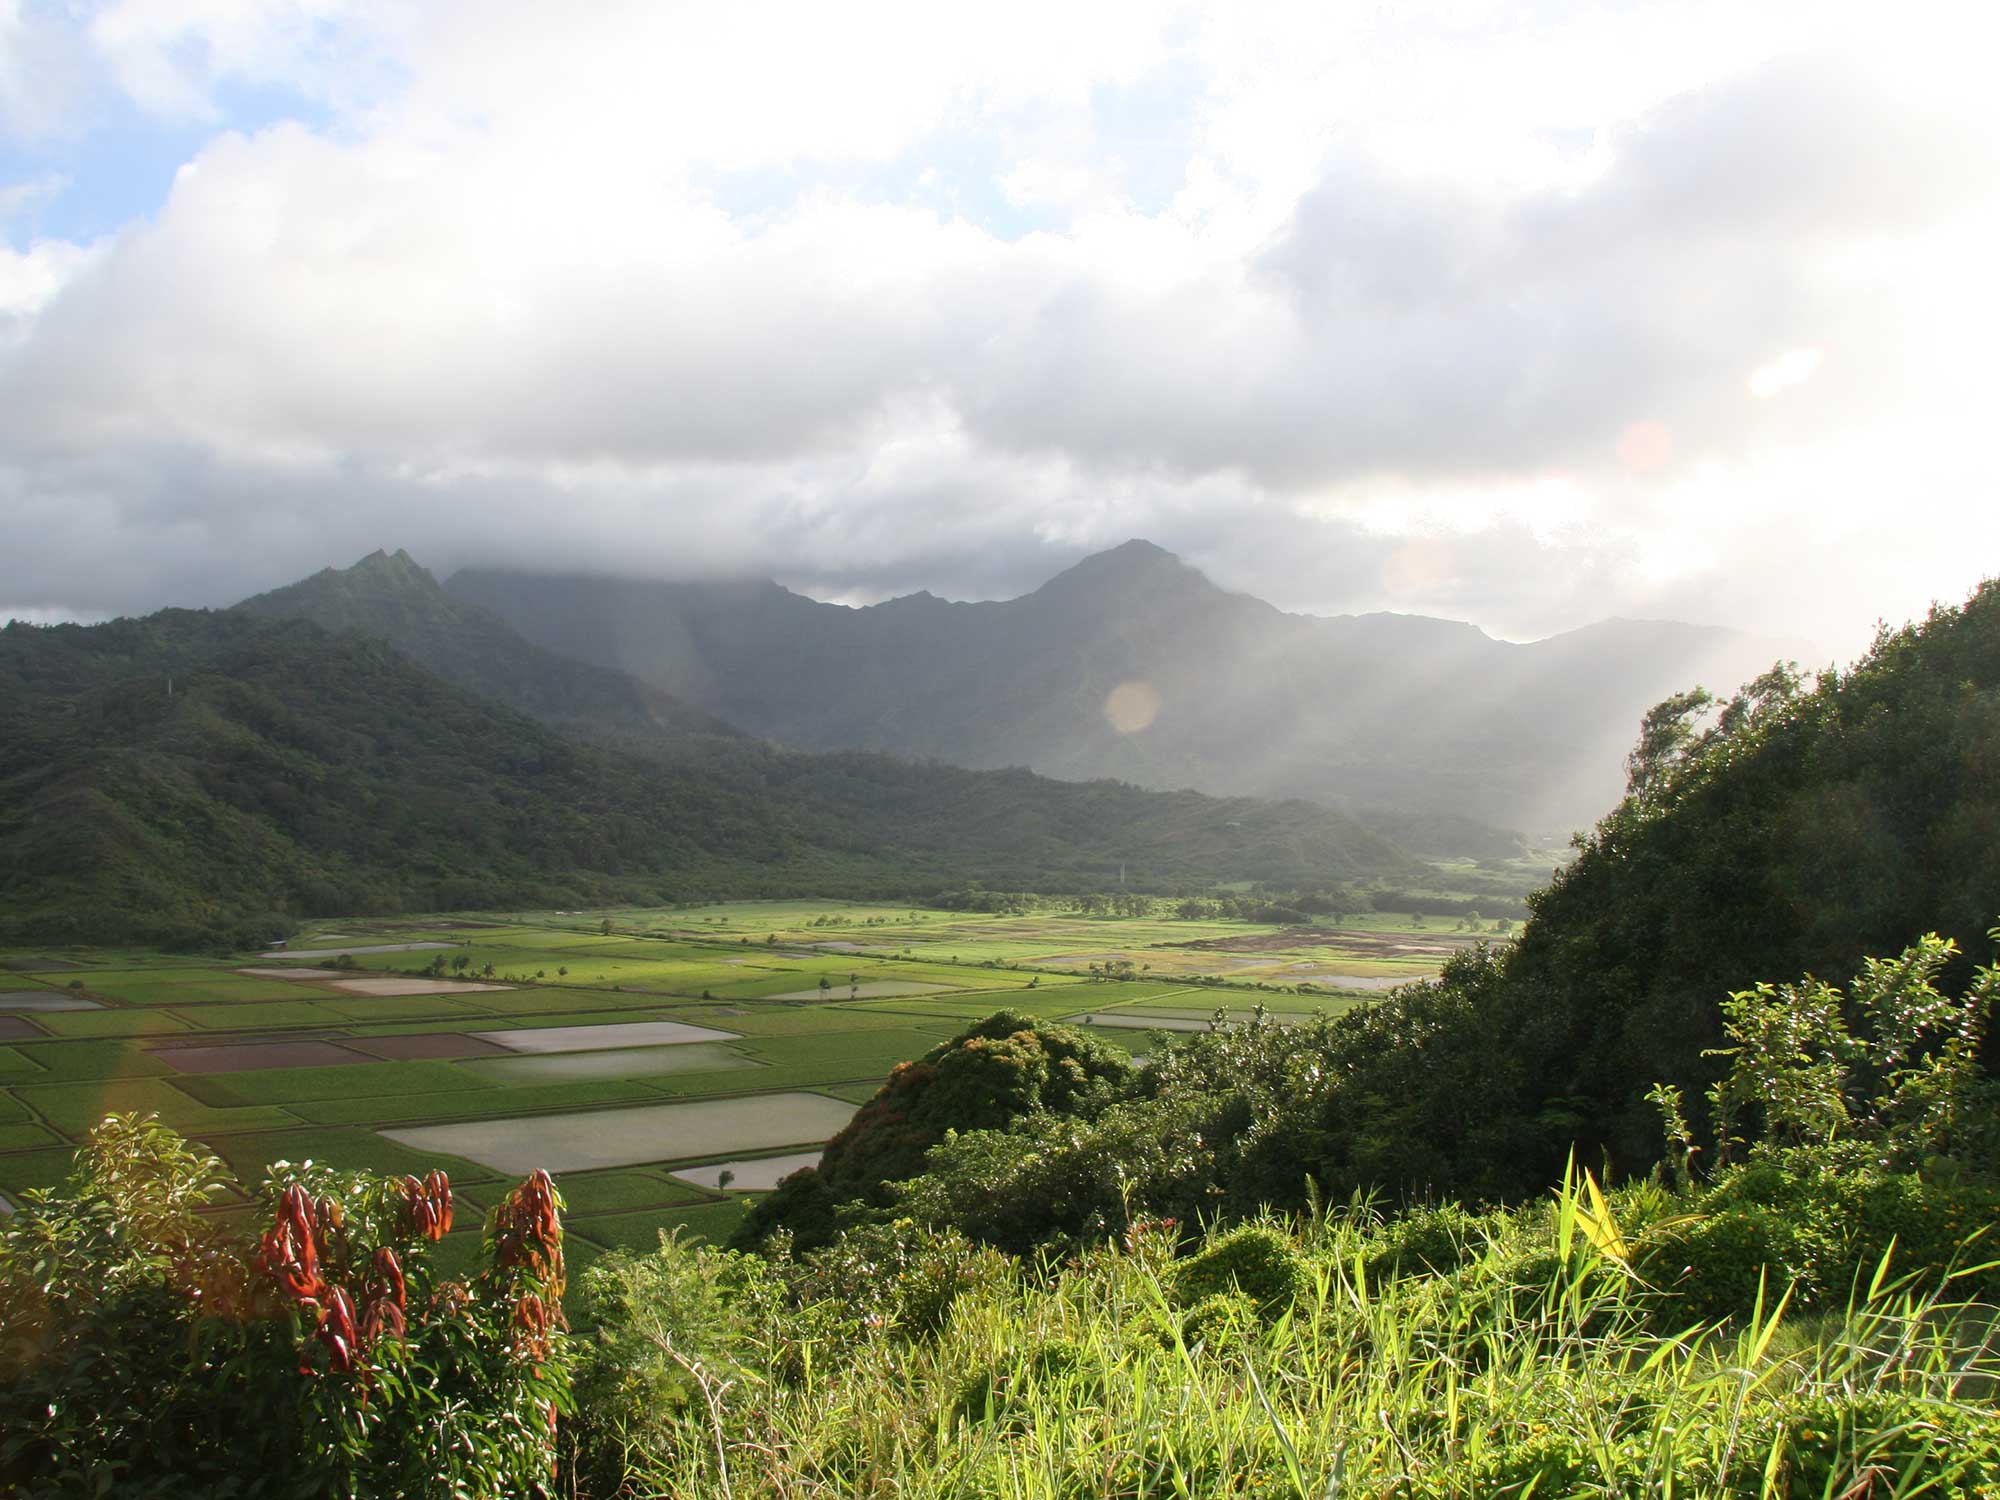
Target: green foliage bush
(1256, 1261)
(1821, 1220)
(1434, 1240)
(1536, 1365)
(1858, 1443)
(148, 1347)
(999, 1070)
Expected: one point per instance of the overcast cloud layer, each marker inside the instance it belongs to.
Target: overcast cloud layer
(1521, 314)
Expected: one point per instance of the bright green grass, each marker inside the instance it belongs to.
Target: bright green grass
(445, 1010)
(99, 1023)
(853, 1093)
(812, 1074)
(15, 1066)
(352, 1149)
(21, 1170)
(620, 1191)
(259, 1014)
(768, 1019)
(456, 1256)
(59, 1062)
(713, 1222)
(964, 1012)
(178, 986)
(851, 1049)
(554, 1002)
(74, 1107)
(484, 1103)
(396, 1080)
(620, 1062)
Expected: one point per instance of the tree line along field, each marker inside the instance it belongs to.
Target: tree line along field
(666, 1063)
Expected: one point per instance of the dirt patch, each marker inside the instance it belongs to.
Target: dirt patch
(19, 1029)
(1371, 982)
(881, 989)
(336, 952)
(243, 1038)
(1359, 944)
(45, 1000)
(627, 1137)
(595, 1038)
(428, 1046)
(245, 1057)
(395, 987)
(1137, 1023)
(615, 1062)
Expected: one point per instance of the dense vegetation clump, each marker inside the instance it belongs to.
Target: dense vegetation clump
(1269, 1360)
(1005, 1068)
(149, 1347)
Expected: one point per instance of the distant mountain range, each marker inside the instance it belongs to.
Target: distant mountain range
(207, 777)
(1134, 665)
(389, 596)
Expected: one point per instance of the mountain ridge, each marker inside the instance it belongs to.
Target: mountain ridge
(1375, 710)
(210, 776)
(392, 597)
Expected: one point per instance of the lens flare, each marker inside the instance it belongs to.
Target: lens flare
(1132, 706)
(1645, 446)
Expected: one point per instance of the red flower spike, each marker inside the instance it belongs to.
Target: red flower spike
(336, 1331)
(383, 1319)
(386, 1276)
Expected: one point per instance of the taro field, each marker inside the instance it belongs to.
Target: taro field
(664, 1064)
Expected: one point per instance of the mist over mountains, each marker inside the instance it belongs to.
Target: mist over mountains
(1134, 665)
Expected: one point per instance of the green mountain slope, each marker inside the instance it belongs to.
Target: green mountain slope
(391, 597)
(190, 775)
(1797, 834)
(1430, 716)
(1814, 830)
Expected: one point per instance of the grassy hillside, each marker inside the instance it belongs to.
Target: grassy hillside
(218, 774)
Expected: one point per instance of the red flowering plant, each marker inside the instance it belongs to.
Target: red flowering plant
(426, 1382)
(152, 1338)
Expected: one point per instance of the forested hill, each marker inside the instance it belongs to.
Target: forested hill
(1790, 831)
(1230, 695)
(1786, 832)
(196, 775)
(389, 596)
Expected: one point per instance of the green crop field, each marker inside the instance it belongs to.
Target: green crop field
(816, 1001)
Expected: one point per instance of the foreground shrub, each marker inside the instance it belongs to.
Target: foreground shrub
(1537, 1366)
(151, 1348)
(1821, 1221)
(1257, 1262)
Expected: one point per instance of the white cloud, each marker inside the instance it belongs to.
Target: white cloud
(1446, 307)
(1794, 367)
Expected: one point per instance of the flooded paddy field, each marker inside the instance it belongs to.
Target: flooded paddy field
(619, 1062)
(640, 1063)
(629, 1137)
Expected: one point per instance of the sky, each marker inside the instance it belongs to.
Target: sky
(1522, 313)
